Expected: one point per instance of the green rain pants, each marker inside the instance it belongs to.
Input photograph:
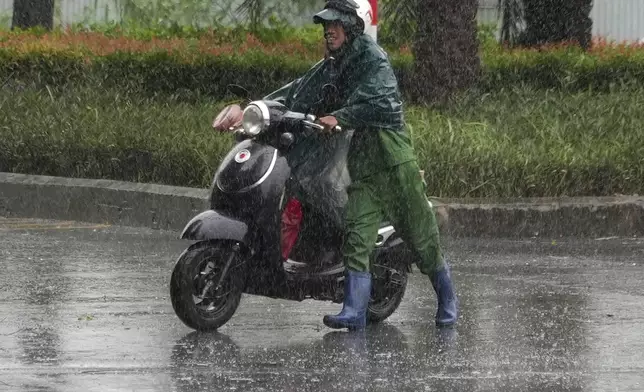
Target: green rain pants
(396, 194)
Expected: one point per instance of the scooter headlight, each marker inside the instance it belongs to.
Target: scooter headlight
(256, 118)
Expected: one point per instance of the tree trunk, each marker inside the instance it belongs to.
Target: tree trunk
(32, 13)
(553, 21)
(445, 49)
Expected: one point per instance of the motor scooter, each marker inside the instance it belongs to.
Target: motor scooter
(236, 247)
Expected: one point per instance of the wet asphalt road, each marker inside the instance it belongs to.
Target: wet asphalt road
(86, 308)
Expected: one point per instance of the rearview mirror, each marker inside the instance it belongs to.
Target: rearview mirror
(330, 92)
(238, 91)
(327, 97)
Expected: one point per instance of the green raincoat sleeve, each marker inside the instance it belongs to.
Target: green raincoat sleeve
(374, 102)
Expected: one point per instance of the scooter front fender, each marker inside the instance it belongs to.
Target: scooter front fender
(212, 225)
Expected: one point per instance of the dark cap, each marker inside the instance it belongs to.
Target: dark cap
(331, 14)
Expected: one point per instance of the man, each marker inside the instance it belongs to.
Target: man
(386, 181)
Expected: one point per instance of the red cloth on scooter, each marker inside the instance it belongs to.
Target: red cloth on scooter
(291, 222)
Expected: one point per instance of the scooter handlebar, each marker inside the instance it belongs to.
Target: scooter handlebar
(319, 127)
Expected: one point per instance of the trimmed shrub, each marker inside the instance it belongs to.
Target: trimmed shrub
(204, 66)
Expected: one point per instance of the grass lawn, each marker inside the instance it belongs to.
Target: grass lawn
(519, 142)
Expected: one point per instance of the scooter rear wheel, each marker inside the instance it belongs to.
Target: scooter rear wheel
(387, 292)
(196, 299)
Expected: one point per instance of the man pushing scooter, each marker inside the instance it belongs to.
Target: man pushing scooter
(386, 181)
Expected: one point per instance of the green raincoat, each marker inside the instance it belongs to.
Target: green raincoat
(369, 103)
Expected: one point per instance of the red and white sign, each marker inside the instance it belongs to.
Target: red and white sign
(373, 29)
(374, 12)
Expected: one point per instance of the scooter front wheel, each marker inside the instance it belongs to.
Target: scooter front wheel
(201, 298)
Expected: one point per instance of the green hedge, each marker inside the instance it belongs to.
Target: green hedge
(200, 74)
(151, 73)
(566, 68)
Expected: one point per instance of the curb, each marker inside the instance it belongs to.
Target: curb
(99, 201)
(170, 208)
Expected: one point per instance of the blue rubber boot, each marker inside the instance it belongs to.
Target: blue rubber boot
(357, 291)
(447, 312)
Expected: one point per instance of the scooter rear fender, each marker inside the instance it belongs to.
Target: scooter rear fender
(213, 225)
(391, 248)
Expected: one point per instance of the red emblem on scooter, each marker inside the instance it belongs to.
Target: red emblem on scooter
(242, 156)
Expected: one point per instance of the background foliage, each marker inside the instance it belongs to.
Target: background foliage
(134, 101)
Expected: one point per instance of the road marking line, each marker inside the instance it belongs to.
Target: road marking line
(54, 228)
(9, 224)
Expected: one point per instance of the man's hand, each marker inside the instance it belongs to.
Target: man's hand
(329, 123)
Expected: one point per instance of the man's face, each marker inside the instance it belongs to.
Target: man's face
(334, 35)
